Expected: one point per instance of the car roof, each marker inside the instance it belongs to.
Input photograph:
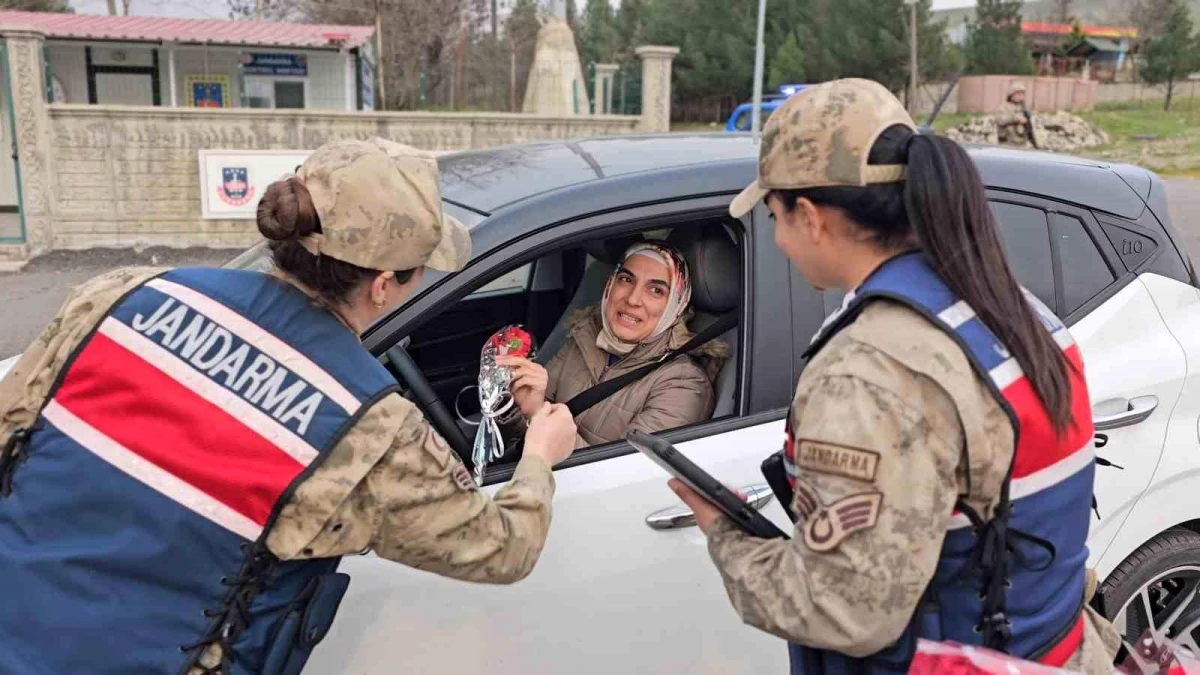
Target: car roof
(488, 180)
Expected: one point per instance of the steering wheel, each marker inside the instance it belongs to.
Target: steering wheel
(407, 371)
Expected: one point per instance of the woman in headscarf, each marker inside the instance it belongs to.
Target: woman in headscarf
(642, 316)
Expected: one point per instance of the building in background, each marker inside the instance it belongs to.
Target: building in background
(154, 61)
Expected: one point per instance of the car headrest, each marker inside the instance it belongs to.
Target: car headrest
(715, 266)
(611, 250)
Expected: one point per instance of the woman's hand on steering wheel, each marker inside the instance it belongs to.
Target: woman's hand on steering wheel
(529, 383)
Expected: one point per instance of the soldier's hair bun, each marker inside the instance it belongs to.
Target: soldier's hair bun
(286, 211)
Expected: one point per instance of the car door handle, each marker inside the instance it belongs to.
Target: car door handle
(676, 517)
(1127, 412)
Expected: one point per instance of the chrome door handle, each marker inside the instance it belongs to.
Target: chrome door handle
(1117, 413)
(676, 517)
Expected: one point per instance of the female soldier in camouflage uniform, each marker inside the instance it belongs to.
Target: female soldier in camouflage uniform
(188, 452)
(939, 447)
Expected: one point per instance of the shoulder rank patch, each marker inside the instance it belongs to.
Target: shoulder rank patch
(838, 460)
(826, 526)
(462, 478)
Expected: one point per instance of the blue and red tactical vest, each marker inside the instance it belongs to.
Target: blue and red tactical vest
(134, 532)
(1016, 582)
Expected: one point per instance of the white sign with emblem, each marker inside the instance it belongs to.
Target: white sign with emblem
(232, 181)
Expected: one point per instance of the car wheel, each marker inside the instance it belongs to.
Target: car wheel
(1156, 588)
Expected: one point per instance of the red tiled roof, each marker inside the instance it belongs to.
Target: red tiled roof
(201, 31)
(1090, 31)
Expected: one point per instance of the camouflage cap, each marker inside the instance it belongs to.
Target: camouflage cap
(821, 137)
(1016, 86)
(381, 208)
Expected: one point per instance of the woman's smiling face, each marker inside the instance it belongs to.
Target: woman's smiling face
(638, 298)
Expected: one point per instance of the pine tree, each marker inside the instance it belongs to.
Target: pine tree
(597, 36)
(995, 43)
(1173, 54)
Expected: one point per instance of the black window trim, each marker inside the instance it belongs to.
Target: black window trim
(557, 236)
(1092, 227)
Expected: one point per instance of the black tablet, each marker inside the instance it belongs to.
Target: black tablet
(673, 462)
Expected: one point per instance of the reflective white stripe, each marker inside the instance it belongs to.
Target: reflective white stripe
(150, 475)
(1041, 480)
(270, 345)
(957, 314)
(1062, 337)
(1006, 373)
(262, 424)
(834, 316)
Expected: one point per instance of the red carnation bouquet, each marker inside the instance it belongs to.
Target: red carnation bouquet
(495, 400)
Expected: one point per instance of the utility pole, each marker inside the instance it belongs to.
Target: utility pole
(112, 7)
(379, 56)
(495, 18)
(258, 10)
(912, 63)
(126, 3)
(755, 113)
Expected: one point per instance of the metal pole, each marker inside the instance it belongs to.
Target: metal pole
(112, 7)
(379, 56)
(758, 70)
(258, 10)
(912, 64)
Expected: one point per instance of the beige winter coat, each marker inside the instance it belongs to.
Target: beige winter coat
(677, 394)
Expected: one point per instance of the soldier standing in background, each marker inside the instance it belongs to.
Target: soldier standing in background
(1014, 122)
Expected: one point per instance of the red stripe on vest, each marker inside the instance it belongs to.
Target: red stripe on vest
(1039, 446)
(175, 429)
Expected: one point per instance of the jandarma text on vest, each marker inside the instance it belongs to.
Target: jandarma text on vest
(225, 358)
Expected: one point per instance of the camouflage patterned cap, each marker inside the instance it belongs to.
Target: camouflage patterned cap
(1016, 86)
(381, 208)
(821, 137)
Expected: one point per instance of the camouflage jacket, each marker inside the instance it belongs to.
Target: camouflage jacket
(887, 408)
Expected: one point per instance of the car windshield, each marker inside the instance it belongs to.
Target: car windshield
(258, 256)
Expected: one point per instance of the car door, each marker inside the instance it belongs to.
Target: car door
(610, 593)
(1135, 367)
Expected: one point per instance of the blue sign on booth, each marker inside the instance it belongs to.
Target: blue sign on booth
(275, 64)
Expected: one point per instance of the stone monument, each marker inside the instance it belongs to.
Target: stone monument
(556, 85)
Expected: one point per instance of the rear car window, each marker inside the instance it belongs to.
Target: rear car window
(1084, 271)
(1025, 236)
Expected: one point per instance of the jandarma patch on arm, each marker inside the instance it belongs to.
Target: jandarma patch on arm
(837, 460)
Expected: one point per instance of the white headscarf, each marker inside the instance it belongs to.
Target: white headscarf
(677, 300)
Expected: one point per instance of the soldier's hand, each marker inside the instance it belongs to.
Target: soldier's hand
(706, 513)
(528, 384)
(551, 433)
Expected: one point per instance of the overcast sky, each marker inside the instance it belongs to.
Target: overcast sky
(216, 9)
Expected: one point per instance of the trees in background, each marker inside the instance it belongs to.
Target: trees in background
(1171, 51)
(995, 43)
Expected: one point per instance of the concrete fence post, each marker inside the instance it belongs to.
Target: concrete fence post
(32, 122)
(656, 87)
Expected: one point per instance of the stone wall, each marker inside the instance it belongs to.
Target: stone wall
(126, 176)
(129, 176)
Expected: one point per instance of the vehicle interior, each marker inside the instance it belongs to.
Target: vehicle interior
(545, 294)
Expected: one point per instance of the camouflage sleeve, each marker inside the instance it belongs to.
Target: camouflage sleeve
(413, 502)
(24, 389)
(876, 489)
(1010, 114)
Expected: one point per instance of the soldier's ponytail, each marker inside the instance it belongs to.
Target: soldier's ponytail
(942, 208)
(948, 209)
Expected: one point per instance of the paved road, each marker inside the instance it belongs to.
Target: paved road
(29, 298)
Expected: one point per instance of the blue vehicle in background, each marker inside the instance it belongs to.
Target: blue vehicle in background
(740, 119)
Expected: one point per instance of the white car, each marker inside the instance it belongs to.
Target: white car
(625, 584)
